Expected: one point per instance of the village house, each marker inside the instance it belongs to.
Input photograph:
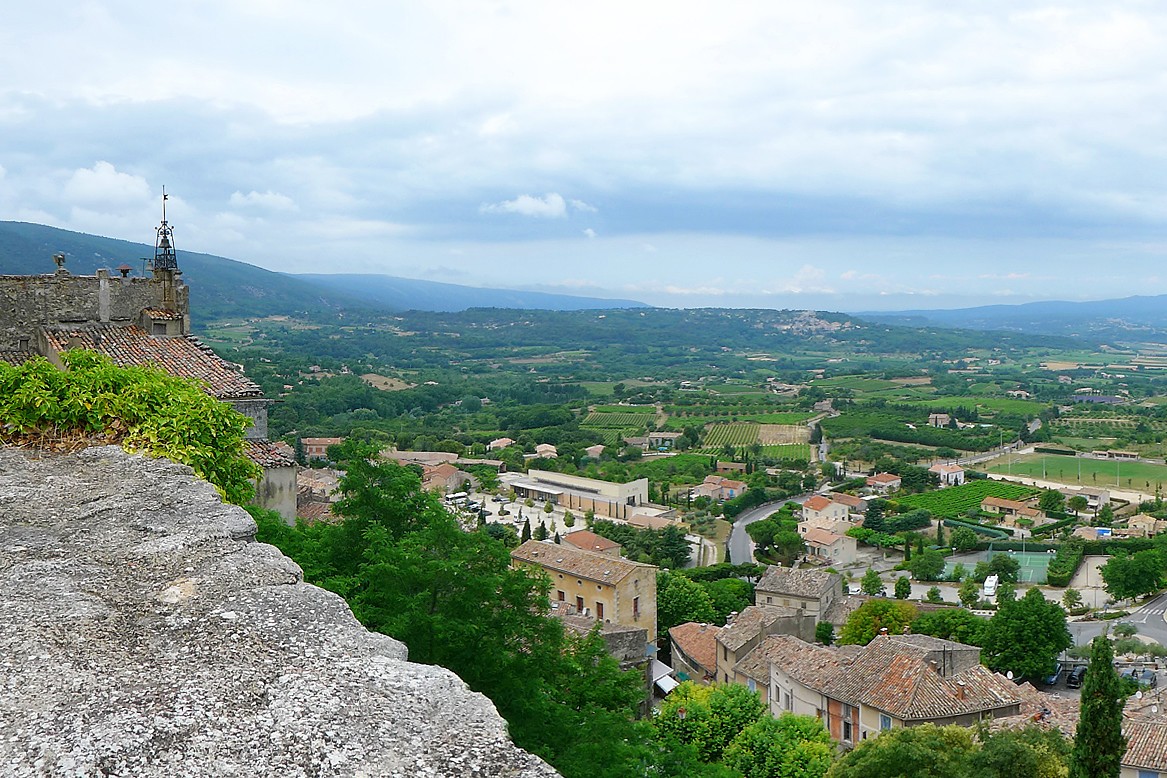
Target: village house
(820, 507)
(499, 443)
(939, 420)
(719, 488)
(949, 475)
(586, 540)
(739, 638)
(1146, 748)
(1146, 526)
(445, 478)
(317, 448)
(594, 451)
(1095, 497)
(884, 482)
(694, 651)
(1010, 510)
(599, 586)
(725, 468)
(894, 681)
(829, 546)
(811, 590)
(854, 504)
(546, 451)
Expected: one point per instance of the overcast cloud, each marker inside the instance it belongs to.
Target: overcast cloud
(829, 154)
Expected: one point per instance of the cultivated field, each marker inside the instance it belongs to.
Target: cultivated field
(782, 434)
(385, 383)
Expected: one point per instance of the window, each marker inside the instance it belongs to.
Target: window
(769, 600)
(751, 684)
(560, 595)
(579, 606)
(787, 703)
(848, 735)
(884, 722)
(158, 328)
(599, 610)
(635, 608)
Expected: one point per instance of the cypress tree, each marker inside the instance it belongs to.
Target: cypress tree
(1099, 743)
(526, 531)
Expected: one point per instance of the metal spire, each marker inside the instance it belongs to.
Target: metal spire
(164, 257)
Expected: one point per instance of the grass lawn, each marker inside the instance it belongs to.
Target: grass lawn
(1095, 472)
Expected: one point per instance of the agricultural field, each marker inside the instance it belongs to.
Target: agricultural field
(621, 420)
(1141, 476)
(385, 383)
(782, 434)
(613, 436)
(739, 434)
(791, 451)
(955, 501)
(907, 428)
(990, 405)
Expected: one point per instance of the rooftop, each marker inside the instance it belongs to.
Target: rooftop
(185, 356)
(698, 641)
(750, 623)
(809, 664)
(1146, 747)
(582, 564)
(590, 541)
(800, 583)
(267, 454)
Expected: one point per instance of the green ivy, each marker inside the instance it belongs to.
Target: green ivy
(145, 409)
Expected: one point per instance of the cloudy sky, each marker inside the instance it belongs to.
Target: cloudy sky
(844, 155)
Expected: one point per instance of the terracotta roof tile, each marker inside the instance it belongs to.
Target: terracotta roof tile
(750, 623)
(16, 357)
(184, 356)
(1146, 747)
(267, 454)
(582, 564)
(698, 642)
(817, 503)
(800, 583)
(315, 511)
(162, 314)
(811, 665)
(589, 541)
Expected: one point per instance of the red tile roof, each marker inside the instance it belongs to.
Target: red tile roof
(817, 503)
(799, 583)
(589, 541)
(1146, 745)
(315, 511)
(16, 357)
(184, 356)
(162, 314)
(698, 642)
(267, 454)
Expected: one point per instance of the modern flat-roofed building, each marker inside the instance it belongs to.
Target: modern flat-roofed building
(606, 499)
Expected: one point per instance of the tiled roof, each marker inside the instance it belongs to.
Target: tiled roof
(946, 469)
(817, 503)
(895, 676)
(698, 642)
(589, 541)
(650, 522)
(1045, 710)
(267, 454)
(315, 511)
(800, 583)
(582, 564)
(818, 536)
(16, 357)
(162, 314)
(850, 500)
(1146, 745)
(184, 356)
(812, 666)
(1001, 502)
(883, 478)
(842, 607)
(322, 441)
(750, 623)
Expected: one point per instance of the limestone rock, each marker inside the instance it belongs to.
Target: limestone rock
(143, 632)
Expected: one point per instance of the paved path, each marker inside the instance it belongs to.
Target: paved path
(741, 548)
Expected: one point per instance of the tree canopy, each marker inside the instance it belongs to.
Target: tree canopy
(865, 622)
(1026, 636)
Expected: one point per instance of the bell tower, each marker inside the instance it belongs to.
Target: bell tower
(164, 257)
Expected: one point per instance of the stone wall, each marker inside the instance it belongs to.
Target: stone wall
(143, 632)
(28, 302)
(256, 410)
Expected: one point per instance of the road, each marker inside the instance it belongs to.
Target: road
(741, 548)
(1149, 619)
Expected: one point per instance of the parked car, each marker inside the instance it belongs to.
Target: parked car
(1074, 680)
(1146, 679)
(1053, 678)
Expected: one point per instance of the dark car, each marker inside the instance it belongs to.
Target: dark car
(1146, 679)
(1074, 680)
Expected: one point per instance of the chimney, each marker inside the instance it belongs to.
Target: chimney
(960, 690)
(59, 258)
(883, 631)
(124, 270)
(729, 619)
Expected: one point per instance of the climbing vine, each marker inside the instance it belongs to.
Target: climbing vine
(143, 409)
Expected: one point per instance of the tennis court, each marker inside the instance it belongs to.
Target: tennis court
(1034, 564)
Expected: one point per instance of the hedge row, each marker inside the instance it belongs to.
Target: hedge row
(1049, 529)
(992, 532)
(1064, 564)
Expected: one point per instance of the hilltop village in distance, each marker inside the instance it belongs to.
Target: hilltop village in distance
(808, 513)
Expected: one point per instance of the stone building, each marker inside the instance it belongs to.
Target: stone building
(140, 321)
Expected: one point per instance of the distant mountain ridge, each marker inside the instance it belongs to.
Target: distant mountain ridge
(1127, 318)
(222, 287)
(405, 293)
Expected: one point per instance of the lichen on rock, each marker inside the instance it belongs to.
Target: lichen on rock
(144, 632)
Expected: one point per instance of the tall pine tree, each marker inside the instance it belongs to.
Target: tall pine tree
(1099, 743)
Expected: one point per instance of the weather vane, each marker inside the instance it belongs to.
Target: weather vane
(164, 257)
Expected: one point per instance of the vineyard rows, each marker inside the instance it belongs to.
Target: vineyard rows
(955, 501)
(619, 420)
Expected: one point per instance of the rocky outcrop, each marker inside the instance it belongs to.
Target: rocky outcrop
(143, 632)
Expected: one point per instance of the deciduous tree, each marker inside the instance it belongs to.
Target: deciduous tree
(1026, 636)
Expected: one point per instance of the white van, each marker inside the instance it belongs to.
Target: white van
(990, 587)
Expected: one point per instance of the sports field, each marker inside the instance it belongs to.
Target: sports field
(1145, 476)
(1034, 564)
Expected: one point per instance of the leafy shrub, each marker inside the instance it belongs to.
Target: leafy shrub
(143, 409)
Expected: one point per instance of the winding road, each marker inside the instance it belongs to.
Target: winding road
(741, 548)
